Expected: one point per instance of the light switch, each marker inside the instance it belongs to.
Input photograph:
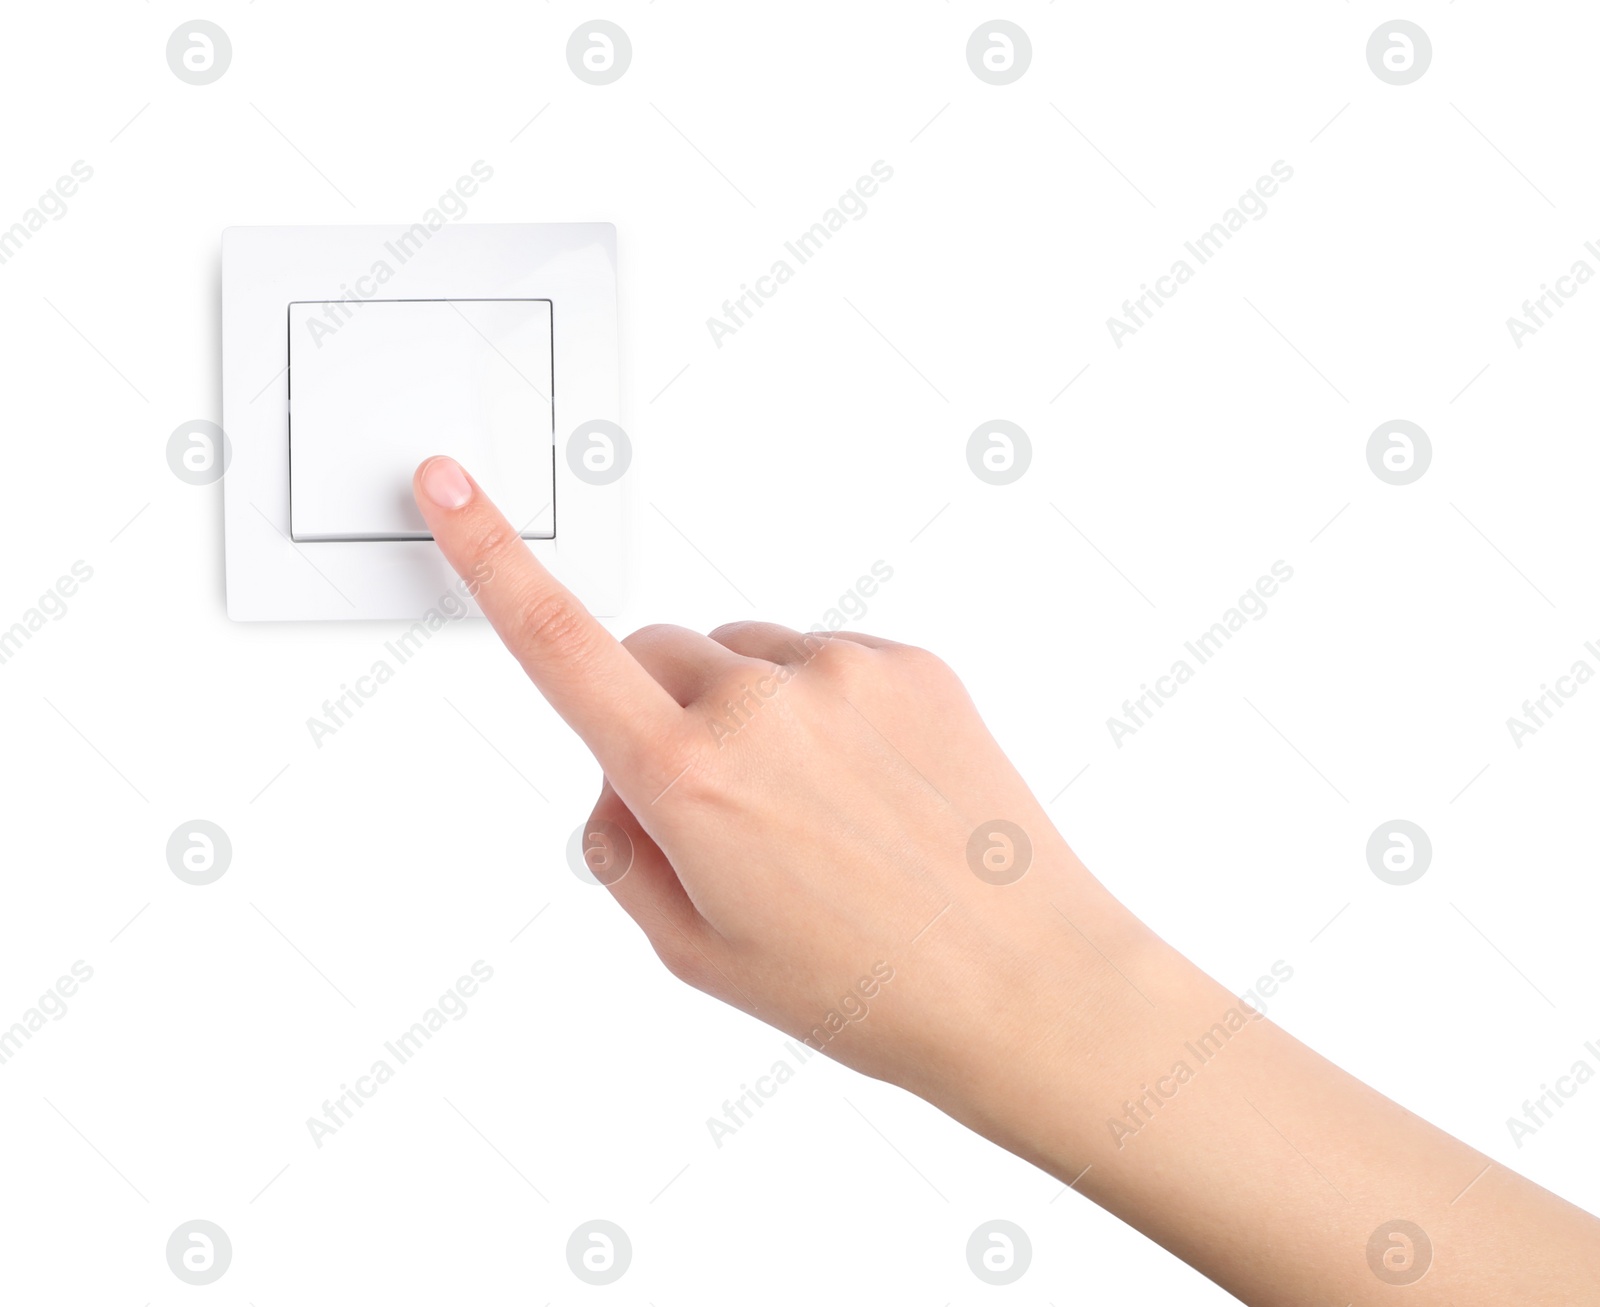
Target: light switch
(336, 383)
(376, 386)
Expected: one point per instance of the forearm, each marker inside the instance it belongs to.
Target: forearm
(1163, 1098)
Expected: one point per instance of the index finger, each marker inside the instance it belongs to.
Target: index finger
(589, 678)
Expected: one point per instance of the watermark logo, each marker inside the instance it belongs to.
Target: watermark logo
(1399, 852)
(999, 1252)
(600, 852)
(1399, 452)
(198, 52)
(199, 1252)
(1399, 52)
(198, 452)
(999, 52)
(1399, 1252)
(599, 452)
(598, 52)
(999, 852)
(199, 852)
(999, 452)
(599, 1252)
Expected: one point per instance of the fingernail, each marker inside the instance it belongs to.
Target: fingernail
(445, 483)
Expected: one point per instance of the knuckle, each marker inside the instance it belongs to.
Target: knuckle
(844, 661)
(675, 763)
(922, 663)
(547, 618)
(492, 539)
(647, 636)
(732, 630)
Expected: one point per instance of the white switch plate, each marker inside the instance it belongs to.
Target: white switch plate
(408, 343)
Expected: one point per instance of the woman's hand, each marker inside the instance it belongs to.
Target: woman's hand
(819, 830)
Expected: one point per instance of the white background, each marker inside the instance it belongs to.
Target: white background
(369, 873)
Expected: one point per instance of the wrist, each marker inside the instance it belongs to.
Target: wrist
(1063, 996)
(1052, 1085)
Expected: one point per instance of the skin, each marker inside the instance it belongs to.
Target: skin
(788, 817)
